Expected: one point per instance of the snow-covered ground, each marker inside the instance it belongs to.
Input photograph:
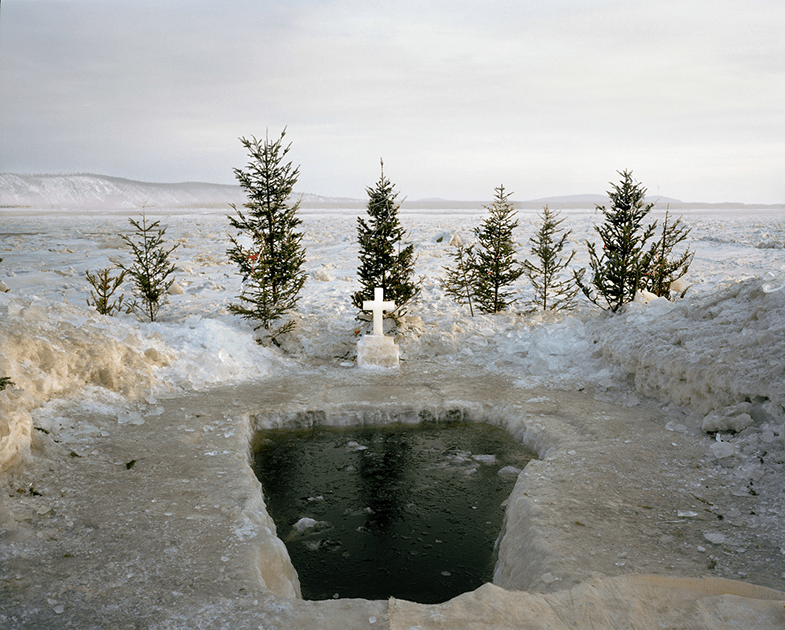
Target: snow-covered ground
(712, 364)
(720, 347)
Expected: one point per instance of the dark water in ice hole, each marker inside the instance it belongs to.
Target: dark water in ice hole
(409, 511)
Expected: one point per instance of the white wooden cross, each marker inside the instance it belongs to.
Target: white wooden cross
(378, 306)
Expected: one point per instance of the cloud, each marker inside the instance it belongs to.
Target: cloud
(546, 97)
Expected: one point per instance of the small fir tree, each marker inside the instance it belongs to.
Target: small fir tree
(661, 269)
(462, 276)
(552, 290)
(384, 261)
(104, 285)
(151, 268)
(272, 265)
(616, 274)
(495, 260)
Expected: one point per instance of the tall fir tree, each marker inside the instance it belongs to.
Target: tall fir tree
(495, 255)
(384, 261)
(553, 289)
(616, 273)
(272, 264)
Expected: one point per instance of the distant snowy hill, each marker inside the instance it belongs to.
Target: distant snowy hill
(101, 192)
(87, 191)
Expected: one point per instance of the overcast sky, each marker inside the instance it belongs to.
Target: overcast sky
(548, 97)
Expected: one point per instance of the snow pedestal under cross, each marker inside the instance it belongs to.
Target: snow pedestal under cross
(376, 350)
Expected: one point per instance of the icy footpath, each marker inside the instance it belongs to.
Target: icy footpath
(718, 359)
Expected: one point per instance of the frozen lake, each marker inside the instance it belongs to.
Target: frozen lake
(628, 394)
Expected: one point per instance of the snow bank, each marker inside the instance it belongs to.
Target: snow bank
(212, 352)
(54, 350)
(708, 353)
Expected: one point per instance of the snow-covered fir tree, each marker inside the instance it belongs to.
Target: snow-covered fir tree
(272, 263)
(384, 260)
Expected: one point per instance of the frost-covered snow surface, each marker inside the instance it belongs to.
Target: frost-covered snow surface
(706, 371)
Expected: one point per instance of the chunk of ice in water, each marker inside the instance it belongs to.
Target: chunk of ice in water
(686, 513)
(305, 523)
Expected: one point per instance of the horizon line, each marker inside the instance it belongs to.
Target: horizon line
(558, 200)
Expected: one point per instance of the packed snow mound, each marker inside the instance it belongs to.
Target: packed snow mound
(212, 352)
(709, 353)
(55, 350)
(16, 432)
